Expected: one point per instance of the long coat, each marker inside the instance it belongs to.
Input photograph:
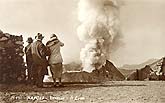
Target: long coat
(28, 54)
(39, 53)
(54, 46)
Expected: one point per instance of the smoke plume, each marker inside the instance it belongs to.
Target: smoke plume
(99, 27)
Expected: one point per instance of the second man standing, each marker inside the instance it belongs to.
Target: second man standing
(55, 59)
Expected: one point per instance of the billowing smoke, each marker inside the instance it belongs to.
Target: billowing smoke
(99, 26)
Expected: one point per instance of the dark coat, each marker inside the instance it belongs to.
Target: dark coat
(163, 66)
(39, 53)
(28, 53)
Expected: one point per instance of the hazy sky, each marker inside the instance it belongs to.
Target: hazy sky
(142, 25)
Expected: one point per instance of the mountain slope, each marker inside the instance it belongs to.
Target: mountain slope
(138, 66)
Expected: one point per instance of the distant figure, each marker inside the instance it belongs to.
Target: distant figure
(163, 67)
(55, 59)
(39, 59)
(29, 60)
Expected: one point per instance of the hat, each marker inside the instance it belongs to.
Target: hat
(39, 36)
(29, 40)
(53, 36)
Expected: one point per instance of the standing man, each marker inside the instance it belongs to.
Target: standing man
(163, 67)
(29, 59)
(39, 60)
(55, 59)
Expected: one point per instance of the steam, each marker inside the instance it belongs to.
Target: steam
(99, 28)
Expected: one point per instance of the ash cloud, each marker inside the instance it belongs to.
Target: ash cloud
(99, 30)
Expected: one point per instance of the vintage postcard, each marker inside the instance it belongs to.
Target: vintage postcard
(82, 51)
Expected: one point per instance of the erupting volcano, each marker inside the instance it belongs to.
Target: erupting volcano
(99, 27)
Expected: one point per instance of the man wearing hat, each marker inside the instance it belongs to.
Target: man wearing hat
(55, 59)
(162, 70)
(39, 59)
(29, 59)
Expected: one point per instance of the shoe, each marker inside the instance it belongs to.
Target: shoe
(54, 84)
(60, 84)
(57, 85)
(40, 86)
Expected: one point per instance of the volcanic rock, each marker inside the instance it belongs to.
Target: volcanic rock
(12, 66)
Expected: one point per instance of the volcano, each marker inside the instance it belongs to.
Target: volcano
(105, 73)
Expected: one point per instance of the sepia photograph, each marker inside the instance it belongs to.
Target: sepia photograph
(82, 51)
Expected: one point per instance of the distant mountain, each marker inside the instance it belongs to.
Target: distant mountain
(126, 72)
(125, 69)
(73, 66)
(138, 66)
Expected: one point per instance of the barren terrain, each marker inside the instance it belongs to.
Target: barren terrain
(109, 92)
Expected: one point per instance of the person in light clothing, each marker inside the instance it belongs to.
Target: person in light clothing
(55, 59)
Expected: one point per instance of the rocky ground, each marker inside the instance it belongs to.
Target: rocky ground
(109, 92)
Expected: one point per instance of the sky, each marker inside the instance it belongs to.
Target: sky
(141, 21)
